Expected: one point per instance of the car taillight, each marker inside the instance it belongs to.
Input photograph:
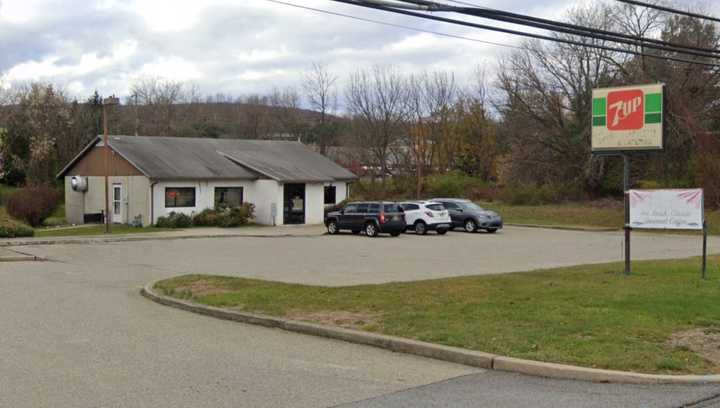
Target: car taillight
(382, 218)
(429, 214)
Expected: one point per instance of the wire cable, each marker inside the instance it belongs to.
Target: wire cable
(525, 34)
(384, 23)
(670, 10)
(578, 30)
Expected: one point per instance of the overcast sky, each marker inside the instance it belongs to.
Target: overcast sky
(228, 46)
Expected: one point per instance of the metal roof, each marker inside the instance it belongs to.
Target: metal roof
(166, 158)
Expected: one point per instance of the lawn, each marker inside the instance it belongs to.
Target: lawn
(604, 214)
(591, 316)
(93, 230)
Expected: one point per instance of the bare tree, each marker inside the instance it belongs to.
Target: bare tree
(377, 100)
(319, 86)
(160, 97)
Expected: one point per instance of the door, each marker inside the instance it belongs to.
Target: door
(117, 209)
(294, 206)
(358, 219)
(348, 212)
(455, 213)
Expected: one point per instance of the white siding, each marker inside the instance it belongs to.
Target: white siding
(265, 195)
(314, 203)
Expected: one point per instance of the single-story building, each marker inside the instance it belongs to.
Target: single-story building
(151, 177)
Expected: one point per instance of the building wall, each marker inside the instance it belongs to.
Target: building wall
(261, 193)
(93, 164)
(135, 196)
(266, 195)
(314, 203)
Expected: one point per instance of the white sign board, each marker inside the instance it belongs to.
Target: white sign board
(667, 209)
(628, 118)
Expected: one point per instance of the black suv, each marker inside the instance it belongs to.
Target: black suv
(372, 217)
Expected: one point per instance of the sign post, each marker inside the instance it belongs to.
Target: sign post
(626, 120)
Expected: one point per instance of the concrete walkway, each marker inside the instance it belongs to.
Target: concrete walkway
(190, 233)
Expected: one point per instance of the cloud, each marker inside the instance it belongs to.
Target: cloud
(227, 46)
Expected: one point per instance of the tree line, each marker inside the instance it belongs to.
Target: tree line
(529, 124)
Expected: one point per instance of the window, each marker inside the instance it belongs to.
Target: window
(374, 208)
(393, 208)
(228, 196)
(179, 197)
(436, 207)
(330, 194)
(351, 208)
(362, 209)
(451, 206)
(410, 207)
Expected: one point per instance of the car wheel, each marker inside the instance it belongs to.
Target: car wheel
(332, 228)
(371, 230)
(355, 232)
(420, 228)
(470, 226)
(492, 230)
(442, 231)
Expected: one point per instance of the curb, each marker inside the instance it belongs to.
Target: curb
(563, 228)
(439, 352)
(103, 240)
(20, 258)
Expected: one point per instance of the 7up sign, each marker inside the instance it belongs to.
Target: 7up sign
(629, 118)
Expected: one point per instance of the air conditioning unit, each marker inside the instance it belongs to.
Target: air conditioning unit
(79, 184)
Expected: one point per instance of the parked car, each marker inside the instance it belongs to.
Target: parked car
(424, 216)
(372, 217)
(470, 216)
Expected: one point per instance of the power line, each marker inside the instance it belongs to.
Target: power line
(573, 29)
(670, 10)
(384, 23)
(524, 34)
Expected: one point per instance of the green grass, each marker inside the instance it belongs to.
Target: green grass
(591, 316)
(599, 215)
(94, 230)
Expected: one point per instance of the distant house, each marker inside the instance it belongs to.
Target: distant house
(151, 177)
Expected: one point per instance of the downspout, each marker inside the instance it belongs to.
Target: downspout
(152, 202)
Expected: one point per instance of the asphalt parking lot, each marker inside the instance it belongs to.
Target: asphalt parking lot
(315, 258)
(75, 331)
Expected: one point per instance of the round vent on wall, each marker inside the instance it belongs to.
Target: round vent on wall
(79, 183)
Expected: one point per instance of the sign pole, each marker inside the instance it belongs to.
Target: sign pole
(626, 189)
(704, 260)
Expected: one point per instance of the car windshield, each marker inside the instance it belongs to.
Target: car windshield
(435, 207)
(470, 206)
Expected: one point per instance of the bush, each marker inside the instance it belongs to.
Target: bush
(33, 204)
(175, 220)
(14, 229)
(236, 216)
(207, 218)
(529, 194)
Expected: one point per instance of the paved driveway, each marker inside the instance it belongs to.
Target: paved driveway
(74, 332)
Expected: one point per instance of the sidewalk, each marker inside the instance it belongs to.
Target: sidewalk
(190, 233)
(8, 255)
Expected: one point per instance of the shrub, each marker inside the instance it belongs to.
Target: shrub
(14, 229)
(207, 218)
(175, 220)
(236, 216)
(33, 204)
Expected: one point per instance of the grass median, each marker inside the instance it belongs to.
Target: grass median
(661, 319)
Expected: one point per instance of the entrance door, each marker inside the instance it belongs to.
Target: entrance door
(294, 204)
(117, 217)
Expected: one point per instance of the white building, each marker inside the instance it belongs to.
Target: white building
(153, 176)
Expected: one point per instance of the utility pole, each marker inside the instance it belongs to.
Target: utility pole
(137, 118)
(106, 143)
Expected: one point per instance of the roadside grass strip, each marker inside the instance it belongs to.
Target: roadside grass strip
(599, 215)
(119, 229)
(661, 320)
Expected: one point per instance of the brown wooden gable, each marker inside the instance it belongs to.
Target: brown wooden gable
(92, 163)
